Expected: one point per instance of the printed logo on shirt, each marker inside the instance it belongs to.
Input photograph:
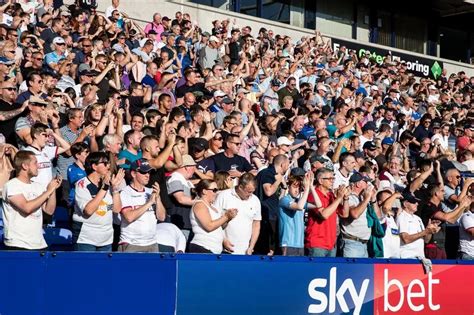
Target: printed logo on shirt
(43, 165)
(102, 208)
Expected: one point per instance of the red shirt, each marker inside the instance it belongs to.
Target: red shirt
(321, 233)
(463, 142)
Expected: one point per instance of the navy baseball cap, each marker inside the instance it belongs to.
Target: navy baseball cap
(141, 165)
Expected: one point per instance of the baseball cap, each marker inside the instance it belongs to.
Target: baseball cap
(370, 125)
(41, 25)
(284, 141)
(141, 165)
(357, 177)
(219, 93)
(58, 40)
(188, 160)
(297, 171)
(198, 144)
(227, 100)
(37, 100)
(406, 196)
(317, 158)
(388, 140)
(275, 82)
(206, 34)
(469, 126)
(165, 18)
(369, 145)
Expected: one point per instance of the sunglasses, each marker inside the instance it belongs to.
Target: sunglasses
(103, 162)
(10, 88)
(37, 104)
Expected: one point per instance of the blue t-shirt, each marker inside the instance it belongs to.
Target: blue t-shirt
(291, 229)
(129, 157)
(74, 173)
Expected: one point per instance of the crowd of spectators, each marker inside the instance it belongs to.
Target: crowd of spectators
(179, 137)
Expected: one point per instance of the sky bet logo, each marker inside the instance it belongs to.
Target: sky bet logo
(394, 293)
(337, 294)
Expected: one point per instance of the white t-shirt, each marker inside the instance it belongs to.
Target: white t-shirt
(466, 241)
(356, 227)
(209, 240)
(391, 240)
(239, 229)
(169, 234)
(142, 231)
(97, 229)
(411, 224)
(469, 164)
(23, 231)
(443, 141)
(45, 165)
(363, 140)
(340, 179)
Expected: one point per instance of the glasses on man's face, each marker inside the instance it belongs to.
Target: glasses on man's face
(85, 46)
(328, 178)
(237, 143)
(38, 59)
(10, 88)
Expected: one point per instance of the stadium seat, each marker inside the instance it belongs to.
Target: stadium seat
(58, 239)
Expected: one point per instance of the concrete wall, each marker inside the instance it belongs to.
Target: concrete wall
(142, 11)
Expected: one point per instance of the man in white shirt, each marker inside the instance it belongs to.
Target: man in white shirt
(141, 208)
(413, 233)
(466, 235)
(44, 153)
(347, 164)
(24, 203)
(242, 232)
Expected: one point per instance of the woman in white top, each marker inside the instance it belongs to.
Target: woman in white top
(207, 222)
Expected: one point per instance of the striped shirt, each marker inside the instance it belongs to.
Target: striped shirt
(63, 160)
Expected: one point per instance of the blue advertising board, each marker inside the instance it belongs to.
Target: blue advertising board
(273, 287)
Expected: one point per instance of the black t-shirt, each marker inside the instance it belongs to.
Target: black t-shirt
(224, 163)
(48, 35)
(269, 203)
(136, 104)
(104, 87)
(7, 127)
(426, 212)
(158, 176)
(198, 87)
(234, 50)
